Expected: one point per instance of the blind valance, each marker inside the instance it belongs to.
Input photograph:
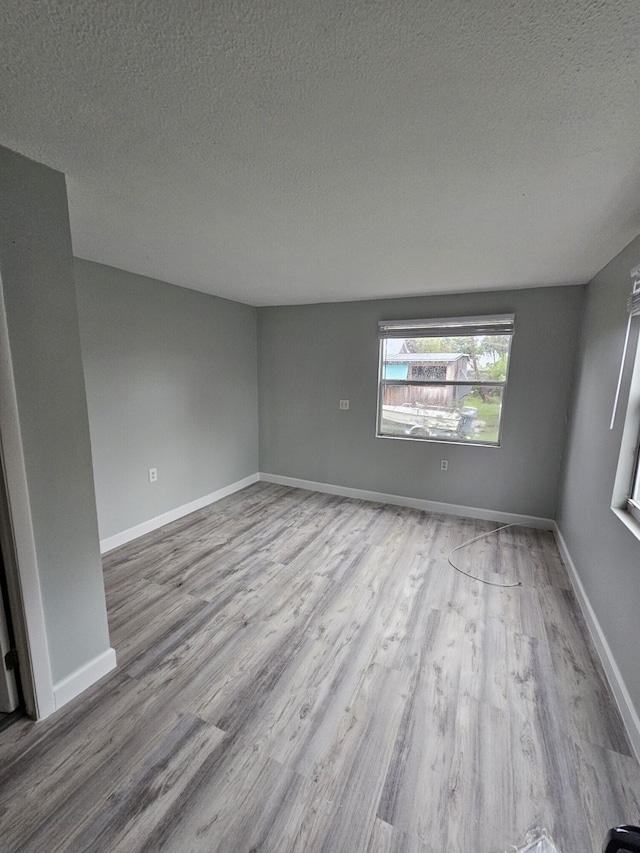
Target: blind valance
(501, 324)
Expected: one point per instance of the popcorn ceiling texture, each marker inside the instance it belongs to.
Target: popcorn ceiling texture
(289, 151)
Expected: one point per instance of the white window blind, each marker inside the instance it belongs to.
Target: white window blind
(633, 307)
(447, 327)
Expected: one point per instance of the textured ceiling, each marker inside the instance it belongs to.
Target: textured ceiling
(310, 150)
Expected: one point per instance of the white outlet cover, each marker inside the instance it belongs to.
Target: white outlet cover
(344, 404)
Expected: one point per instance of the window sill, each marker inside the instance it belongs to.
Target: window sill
(628, 520)
(417, 438)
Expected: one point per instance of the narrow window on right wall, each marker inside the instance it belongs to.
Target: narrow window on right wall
(626, 496)
(633, 501)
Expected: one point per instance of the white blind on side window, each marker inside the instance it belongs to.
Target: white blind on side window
(633, 307)
(633, 303)
(501, 324)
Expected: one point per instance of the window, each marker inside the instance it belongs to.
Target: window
(444, 380)
(626, 494)
(633, 501)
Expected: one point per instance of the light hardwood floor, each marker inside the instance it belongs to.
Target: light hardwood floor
(303, 672)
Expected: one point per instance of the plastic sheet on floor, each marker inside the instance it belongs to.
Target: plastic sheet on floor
(536, 840)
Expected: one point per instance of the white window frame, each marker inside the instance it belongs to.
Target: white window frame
(492, 324)
(633, 501)
(627, 481)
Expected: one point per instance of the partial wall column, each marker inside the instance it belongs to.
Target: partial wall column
(42, 335)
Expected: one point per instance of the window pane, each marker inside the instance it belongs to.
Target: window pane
(476, 357)
(446, 412)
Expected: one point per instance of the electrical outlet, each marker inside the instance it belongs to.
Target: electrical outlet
(344, 404)
(444, 464)
(153, 475)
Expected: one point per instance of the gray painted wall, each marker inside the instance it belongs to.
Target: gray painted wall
(310, 357)
(171, 384)
(606, 554)
(37, 275)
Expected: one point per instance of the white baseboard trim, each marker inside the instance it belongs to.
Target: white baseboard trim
(415, 503)
(132, 533)
(618, 687)
(83, 677)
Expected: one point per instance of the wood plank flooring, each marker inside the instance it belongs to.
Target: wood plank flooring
(303, 672)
